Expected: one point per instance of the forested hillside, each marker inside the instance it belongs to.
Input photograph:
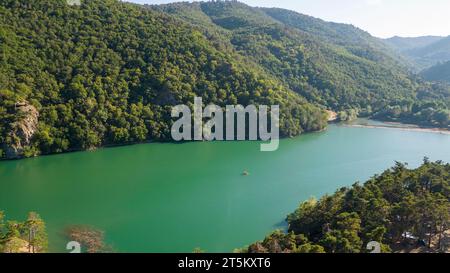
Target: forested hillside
(439, 72)
(402, 209)
(353, 39)
(108, 73)
(339, 77)
(335, 65)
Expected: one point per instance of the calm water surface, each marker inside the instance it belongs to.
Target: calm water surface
(176, 197)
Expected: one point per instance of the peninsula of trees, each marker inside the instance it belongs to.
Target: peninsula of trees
(402, 209)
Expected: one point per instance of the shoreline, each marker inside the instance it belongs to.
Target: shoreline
(394, 126)
(389, 125)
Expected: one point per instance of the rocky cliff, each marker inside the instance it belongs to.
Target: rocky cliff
(22, 130)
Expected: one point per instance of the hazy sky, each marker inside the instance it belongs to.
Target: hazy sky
(382, 18)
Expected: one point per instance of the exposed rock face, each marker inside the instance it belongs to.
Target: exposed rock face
(257, 248)
(332, 116)
(22, 130)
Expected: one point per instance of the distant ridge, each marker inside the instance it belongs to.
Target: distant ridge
(439, 72)
(408, 43)
(424, 51)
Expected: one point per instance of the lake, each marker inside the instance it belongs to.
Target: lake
(177, 197)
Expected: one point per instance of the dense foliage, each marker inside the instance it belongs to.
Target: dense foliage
(337, 66)
(108, 73)
(431, 109)
(321, 69)
(393, 208)
(23, 237)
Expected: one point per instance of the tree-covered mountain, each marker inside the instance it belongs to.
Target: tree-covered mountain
(402, 209)
(353, 39)
(106, 72)
(76, 77)
(425, 51)
(335, 65)
(328, 71)
(439, 72)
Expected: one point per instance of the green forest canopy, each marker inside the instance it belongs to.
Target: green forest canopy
(107, 73)
(390, 208)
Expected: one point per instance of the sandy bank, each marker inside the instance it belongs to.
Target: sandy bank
(403, 128)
